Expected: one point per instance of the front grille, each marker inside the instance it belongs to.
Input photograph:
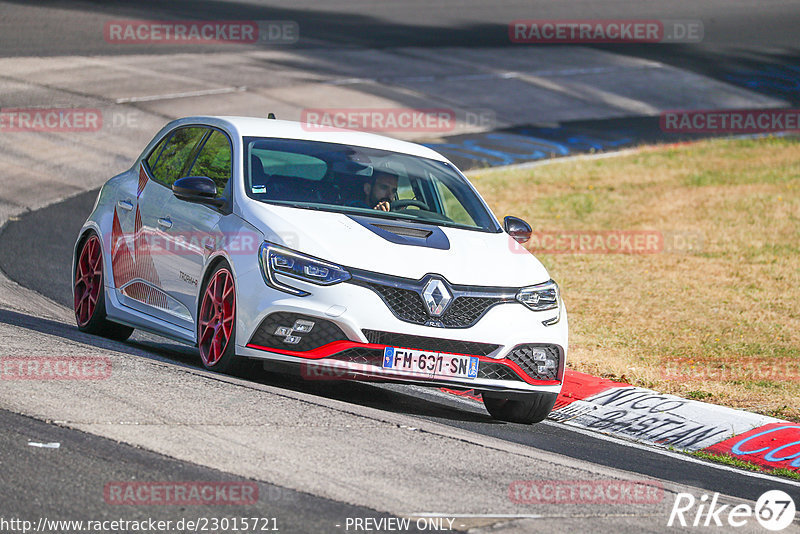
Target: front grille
(374, 357)
(465, 311)
(322, 333)
(436, 344)
(522, 355)
(407, 305)
(325, 369)
(486, 370)
(360, 356)
(496, 371)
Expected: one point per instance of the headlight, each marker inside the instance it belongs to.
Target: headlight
(542, 297)
(278, 260)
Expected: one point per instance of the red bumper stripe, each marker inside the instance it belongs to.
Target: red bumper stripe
(336, 347)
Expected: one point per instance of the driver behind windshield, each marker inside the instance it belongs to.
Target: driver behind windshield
(379, 191)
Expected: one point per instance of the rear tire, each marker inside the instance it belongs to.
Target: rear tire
(532, 408)
(89, 299)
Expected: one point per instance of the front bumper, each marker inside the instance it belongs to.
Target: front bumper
(356, 325)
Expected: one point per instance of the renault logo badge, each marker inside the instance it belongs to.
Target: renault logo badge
(436, 296)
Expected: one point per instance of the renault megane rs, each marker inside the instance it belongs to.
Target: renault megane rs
(344, 254)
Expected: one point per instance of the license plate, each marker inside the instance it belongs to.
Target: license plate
(430, 364)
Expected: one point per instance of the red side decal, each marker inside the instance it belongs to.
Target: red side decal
(121, 259)
(147, 294)
(144, 266)
(329, 349)
(127, 267)
(772, 446)
(142, 181)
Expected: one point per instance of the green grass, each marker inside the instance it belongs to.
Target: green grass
(699, 395)
(729, 303)
(727, 459)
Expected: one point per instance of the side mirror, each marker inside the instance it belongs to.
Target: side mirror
(517, 228)
(197, 189)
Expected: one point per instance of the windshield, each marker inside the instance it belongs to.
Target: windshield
(364, 181)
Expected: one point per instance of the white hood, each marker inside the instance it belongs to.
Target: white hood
(474, 258)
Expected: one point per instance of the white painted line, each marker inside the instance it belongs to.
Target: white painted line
(476, 516)
(187, 94)
(53, 445)
(504, 75)
(524, 516)
(350, 81)
(646, 415)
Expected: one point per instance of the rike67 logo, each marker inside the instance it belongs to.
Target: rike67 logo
(774, 510)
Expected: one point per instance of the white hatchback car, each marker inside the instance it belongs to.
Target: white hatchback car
(345, 254)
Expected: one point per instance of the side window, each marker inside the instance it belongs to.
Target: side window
(453, 209)
(214, 160)
(289, 164)
(404, 189)
(153, 157)
(176, 154)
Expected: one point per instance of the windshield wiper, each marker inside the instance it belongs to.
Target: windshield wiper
(293, 205)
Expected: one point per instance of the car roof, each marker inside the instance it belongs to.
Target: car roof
(263, 127)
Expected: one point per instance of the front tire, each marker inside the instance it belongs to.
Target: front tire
(89, 299)
(528, 409)
(216, 322)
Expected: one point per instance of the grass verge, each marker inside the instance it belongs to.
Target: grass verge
(712, 312)
(727, 459)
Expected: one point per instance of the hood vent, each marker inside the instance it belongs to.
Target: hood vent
(405, 231)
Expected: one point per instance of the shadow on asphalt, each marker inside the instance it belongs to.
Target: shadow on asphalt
(350, 29)
(155, 348)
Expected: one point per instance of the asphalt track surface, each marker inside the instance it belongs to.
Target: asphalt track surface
(730, 23)
(38, 248)
(68, 483)
(738, 36)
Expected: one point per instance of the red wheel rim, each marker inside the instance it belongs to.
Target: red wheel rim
(216, 317)
(88, 280)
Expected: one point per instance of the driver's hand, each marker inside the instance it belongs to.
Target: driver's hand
(383, 206)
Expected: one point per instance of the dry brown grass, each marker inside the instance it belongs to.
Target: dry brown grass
(719, 322)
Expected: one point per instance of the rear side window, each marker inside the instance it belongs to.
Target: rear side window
(153, 158)
(176, 154)
(214, 160)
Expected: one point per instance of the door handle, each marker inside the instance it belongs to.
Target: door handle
(165, 223)
(127, 205)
